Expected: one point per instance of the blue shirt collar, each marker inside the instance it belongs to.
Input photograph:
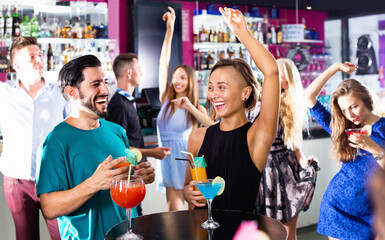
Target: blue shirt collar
(126, 94)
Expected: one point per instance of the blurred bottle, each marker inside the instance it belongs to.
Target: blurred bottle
(220, 34)
(90, 32)
(225, 34)
(260, 33)
(8, 24)
(66, 31)
(15, 24)
(66, 54)
(209, 61)
(273, 34)
(240, 54)
(102, 31)
(306, 31)
(25, 27)
(211, 35)
(54, 28)
(215, 38)
(50, 59)
(279, 34)
(77, 30)
(34, 26)
(268, 34)
(2, 23)
(44, 29)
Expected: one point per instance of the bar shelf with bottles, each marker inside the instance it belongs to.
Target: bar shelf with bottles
(64, 30)
(213, 40)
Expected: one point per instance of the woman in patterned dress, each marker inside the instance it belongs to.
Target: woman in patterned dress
(288, 181)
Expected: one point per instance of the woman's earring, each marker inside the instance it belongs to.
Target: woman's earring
(244, 99)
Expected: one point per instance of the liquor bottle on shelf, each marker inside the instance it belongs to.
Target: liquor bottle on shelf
(279, 34)
(66, 54)
(230, 53)
(211, 35)
(50, 59)
(260, 36)
(240, 54)
(220, 34)
(89, 32)
(15, 23)
(77, 30)
(268, 34)
(8, 24)
(209, 61)
(66, 31)
(2, 23)
(54, 28)
(34, 26)
(225, 34)
(25, 27)
(215, 36)
(273, 34)
(44, 29)
(101, 31)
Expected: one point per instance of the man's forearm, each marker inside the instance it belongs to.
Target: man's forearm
(56, 204)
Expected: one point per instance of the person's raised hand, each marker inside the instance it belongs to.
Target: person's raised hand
(169, 18)
(145, 170)
(348, 67)
(235, 20)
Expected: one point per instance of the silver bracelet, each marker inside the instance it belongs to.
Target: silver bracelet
(379, 156)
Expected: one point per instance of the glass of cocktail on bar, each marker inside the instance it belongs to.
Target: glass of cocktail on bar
(209, 189)
(128, 193)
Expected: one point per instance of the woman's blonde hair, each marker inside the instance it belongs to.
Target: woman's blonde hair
(340, 148)
(192, 94)
(248, 76)
(293, 112)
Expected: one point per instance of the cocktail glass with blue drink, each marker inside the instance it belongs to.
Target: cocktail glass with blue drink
(209, 189)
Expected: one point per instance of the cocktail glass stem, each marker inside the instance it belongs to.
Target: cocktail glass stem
(128, 211)
(210, 224)
(210, 218)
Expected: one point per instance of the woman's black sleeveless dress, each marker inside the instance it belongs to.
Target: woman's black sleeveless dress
(227, 155)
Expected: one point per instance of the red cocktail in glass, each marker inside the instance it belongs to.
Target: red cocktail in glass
(351, 131)
(128, 194)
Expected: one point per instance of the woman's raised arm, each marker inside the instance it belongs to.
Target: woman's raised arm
(266, 124)
(165, 54)
(312, 91)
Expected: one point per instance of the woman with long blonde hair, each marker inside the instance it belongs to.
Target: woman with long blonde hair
(179, 114)
(288, 181)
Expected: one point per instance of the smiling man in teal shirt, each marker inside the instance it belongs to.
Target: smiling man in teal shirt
(76, 166)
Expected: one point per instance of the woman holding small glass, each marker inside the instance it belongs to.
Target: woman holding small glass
(346, 210)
